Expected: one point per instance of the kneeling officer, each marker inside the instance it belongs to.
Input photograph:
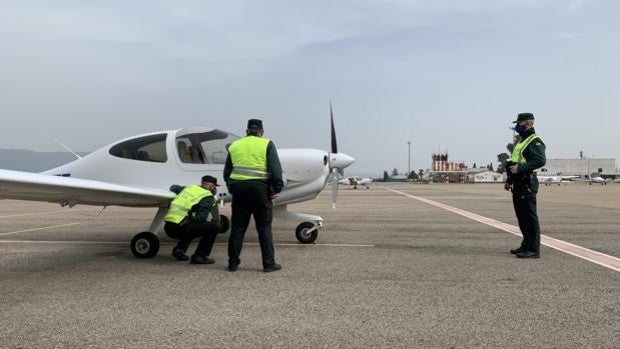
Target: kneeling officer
(187, 219)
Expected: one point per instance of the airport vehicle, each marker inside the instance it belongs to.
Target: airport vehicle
(137, 172)
(356, 181)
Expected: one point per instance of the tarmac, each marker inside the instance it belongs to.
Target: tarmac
(397, 265)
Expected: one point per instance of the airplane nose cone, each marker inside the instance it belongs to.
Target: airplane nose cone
(340, 160)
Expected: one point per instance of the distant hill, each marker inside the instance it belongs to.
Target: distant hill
(33, 161)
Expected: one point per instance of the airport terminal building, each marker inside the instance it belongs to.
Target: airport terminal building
(579, 167)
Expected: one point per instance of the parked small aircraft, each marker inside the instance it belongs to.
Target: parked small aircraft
(137, 172)
(356, 181)
(598, 180)
(550, 180)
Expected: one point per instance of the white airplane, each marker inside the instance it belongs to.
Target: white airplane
(550, 180)
(598, 180)
(355, 181)
(137, 172)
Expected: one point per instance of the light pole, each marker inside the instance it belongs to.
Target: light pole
(409, 158)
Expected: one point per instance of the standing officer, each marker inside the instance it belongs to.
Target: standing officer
(187, 219)
(254, 178)
(527, 156)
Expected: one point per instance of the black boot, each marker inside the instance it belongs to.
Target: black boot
(528, 254)
(201, 260)
(517, 250)
(179, 254)
(274, 267)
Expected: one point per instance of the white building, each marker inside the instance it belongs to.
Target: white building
(488, 177)
(578, 167)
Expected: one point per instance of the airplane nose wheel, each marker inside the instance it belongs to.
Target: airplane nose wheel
(306, 233)
(145, 245)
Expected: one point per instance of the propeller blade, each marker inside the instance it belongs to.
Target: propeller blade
(334, 187)
(334, 143)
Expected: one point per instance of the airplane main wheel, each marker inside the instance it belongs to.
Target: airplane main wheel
(303, 233)
(225, 224)
(145, 245)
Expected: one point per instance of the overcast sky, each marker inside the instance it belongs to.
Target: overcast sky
(449, 75)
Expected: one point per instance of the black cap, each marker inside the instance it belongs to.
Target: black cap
(523, 117)
(210, 179)
(255, 124)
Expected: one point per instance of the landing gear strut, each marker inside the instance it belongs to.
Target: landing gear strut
(146, 244)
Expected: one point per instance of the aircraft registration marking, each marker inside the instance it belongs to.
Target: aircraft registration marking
(599, 258)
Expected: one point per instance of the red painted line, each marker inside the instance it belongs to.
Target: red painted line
(599, 258)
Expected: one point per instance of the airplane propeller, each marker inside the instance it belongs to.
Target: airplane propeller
(337, 161)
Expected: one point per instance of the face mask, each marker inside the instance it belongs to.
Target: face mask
(519, 128)
(214, 191)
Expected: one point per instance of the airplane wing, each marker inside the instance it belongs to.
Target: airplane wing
(72, 191)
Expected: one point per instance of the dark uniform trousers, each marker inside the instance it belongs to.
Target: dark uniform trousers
(206, 231)
(251, 198)
(524, 201)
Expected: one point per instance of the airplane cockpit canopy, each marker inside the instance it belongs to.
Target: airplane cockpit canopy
(146, 148)
(202, 145)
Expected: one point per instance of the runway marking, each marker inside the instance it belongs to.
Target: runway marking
(46, 212)
(35, 229)
(599, 258)
(63, 242)
(164, 243)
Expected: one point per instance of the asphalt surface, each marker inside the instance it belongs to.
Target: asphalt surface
(386, 271)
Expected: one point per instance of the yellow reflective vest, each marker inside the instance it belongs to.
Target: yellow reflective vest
(249, 158)
(517, 152)
(182, 204)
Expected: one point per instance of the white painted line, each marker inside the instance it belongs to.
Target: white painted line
(48, 212)
(326, 245)
(599, 258)
(35, 229)
(64, 242)
(163, 243)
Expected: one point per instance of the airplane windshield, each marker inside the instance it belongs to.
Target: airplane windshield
(199, 145)
(148, 148)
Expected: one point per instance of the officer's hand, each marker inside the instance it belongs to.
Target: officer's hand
(507, 186)
(274, 196)
(514, 169)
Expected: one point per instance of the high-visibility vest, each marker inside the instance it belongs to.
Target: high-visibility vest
(249, 158)
(517, 152)
(182, 204)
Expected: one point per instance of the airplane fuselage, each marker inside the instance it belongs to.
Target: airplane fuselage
(305, 171)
